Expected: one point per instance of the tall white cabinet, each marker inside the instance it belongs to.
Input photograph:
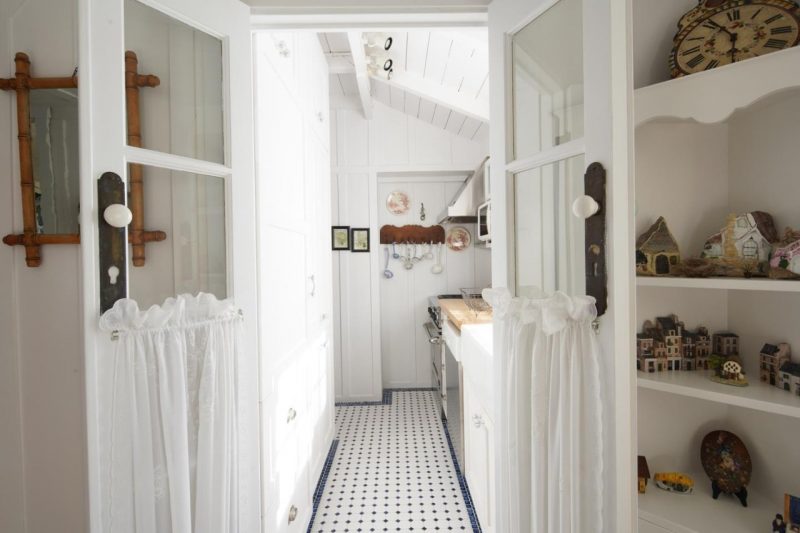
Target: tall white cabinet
(295, 272)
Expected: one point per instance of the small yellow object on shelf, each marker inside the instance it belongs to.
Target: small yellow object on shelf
(674, 482)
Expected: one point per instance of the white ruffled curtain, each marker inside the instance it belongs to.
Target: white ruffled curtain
(554, 423)
(168, 436)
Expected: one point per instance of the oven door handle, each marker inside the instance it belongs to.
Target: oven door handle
(434, 335)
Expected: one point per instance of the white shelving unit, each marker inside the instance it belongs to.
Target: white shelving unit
(769, 285)
(699, 513)
(710, 144)
(714, 95)
(759, 396)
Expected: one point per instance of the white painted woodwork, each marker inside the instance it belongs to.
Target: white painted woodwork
(362, 77)
(447, 69)
(699, 97)
(745, 163)
(103, 149)
(392, 145)
(405, 350)
(43, 486)
(607, 115)
(672, 444)
(295, 278)
(479, 455)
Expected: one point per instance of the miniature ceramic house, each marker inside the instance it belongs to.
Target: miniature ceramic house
(786, 254)
(789, 377)
(657, 251)
(643, 473)
(726, 344)
(747, 237)
(771, 359)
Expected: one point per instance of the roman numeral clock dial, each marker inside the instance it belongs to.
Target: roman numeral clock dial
(720, 32)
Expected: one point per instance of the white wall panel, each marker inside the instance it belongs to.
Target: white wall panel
(379, 316)
(42, 442)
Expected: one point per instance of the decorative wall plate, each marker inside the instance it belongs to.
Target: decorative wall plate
(458, 238)
(397, 203)
(727, 463)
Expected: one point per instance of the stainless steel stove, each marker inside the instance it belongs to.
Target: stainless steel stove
(446, 374)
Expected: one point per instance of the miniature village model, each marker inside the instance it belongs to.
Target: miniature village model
(668, 345)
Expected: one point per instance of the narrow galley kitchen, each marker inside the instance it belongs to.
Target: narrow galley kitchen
(373, 201)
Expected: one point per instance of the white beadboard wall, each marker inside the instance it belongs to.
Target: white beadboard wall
(42, 440)
(390, 144)
(694, 175)
(405, 350)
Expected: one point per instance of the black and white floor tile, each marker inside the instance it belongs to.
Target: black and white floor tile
(392, 469)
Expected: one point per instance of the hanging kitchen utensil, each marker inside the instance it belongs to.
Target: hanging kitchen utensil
(437, 268)
(388, 274)
(407, 263)
(395, 255)
(422, 211)
(429, 253)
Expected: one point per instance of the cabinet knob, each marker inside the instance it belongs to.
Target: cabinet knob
(477, 421)
(291, 416)
(283, 50)
(292, 514)
(320, 117)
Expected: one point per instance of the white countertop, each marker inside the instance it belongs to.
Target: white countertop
(477, 361)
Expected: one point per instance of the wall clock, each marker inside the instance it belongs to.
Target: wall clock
(720, 32)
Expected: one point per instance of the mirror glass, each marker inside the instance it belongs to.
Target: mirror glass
(547, 78)
(54, 155)
(549, 239)
(184, 114)
(190, 208)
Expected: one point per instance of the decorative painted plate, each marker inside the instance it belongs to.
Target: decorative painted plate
(726, 461)
(458, 238)
(397, 203)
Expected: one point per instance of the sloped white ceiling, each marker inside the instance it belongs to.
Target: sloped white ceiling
(439, 76)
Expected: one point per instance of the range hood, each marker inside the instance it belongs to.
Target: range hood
(464, 207)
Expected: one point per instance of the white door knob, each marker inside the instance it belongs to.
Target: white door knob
(584, 207)
(117, 215)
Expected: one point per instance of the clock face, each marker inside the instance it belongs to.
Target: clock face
(734, 31)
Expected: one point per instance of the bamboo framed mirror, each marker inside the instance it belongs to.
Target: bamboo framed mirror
(47, 125)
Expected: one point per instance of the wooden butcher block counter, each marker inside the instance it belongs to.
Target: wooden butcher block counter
(459, 314)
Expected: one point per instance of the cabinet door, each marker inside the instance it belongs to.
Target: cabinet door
(318, 245)
(478, 458)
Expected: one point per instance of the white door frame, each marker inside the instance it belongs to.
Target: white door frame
(104, 149)
(608, 138)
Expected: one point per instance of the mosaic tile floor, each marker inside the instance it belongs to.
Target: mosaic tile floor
(391, 469)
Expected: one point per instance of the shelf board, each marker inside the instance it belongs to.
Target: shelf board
(700, 513)
(713, 95)
(695, 384)
(742, 284)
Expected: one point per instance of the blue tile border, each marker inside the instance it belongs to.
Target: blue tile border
(323, 478)
(462, 482)
(387, 397)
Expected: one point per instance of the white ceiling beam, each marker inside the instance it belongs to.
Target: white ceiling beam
(439, 94)
(339, 63)
(362, 76)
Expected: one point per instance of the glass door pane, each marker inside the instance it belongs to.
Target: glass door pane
(190, 208)
(183, 115)
(549, 238)
(547, 79)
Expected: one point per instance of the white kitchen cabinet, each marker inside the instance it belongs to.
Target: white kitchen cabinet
(295, 270)
(479, 455)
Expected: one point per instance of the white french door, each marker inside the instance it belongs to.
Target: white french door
(561, 100)
(196, 156)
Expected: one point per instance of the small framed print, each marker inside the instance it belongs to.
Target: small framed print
(791, 512)
(359, 240)
(340, 238)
